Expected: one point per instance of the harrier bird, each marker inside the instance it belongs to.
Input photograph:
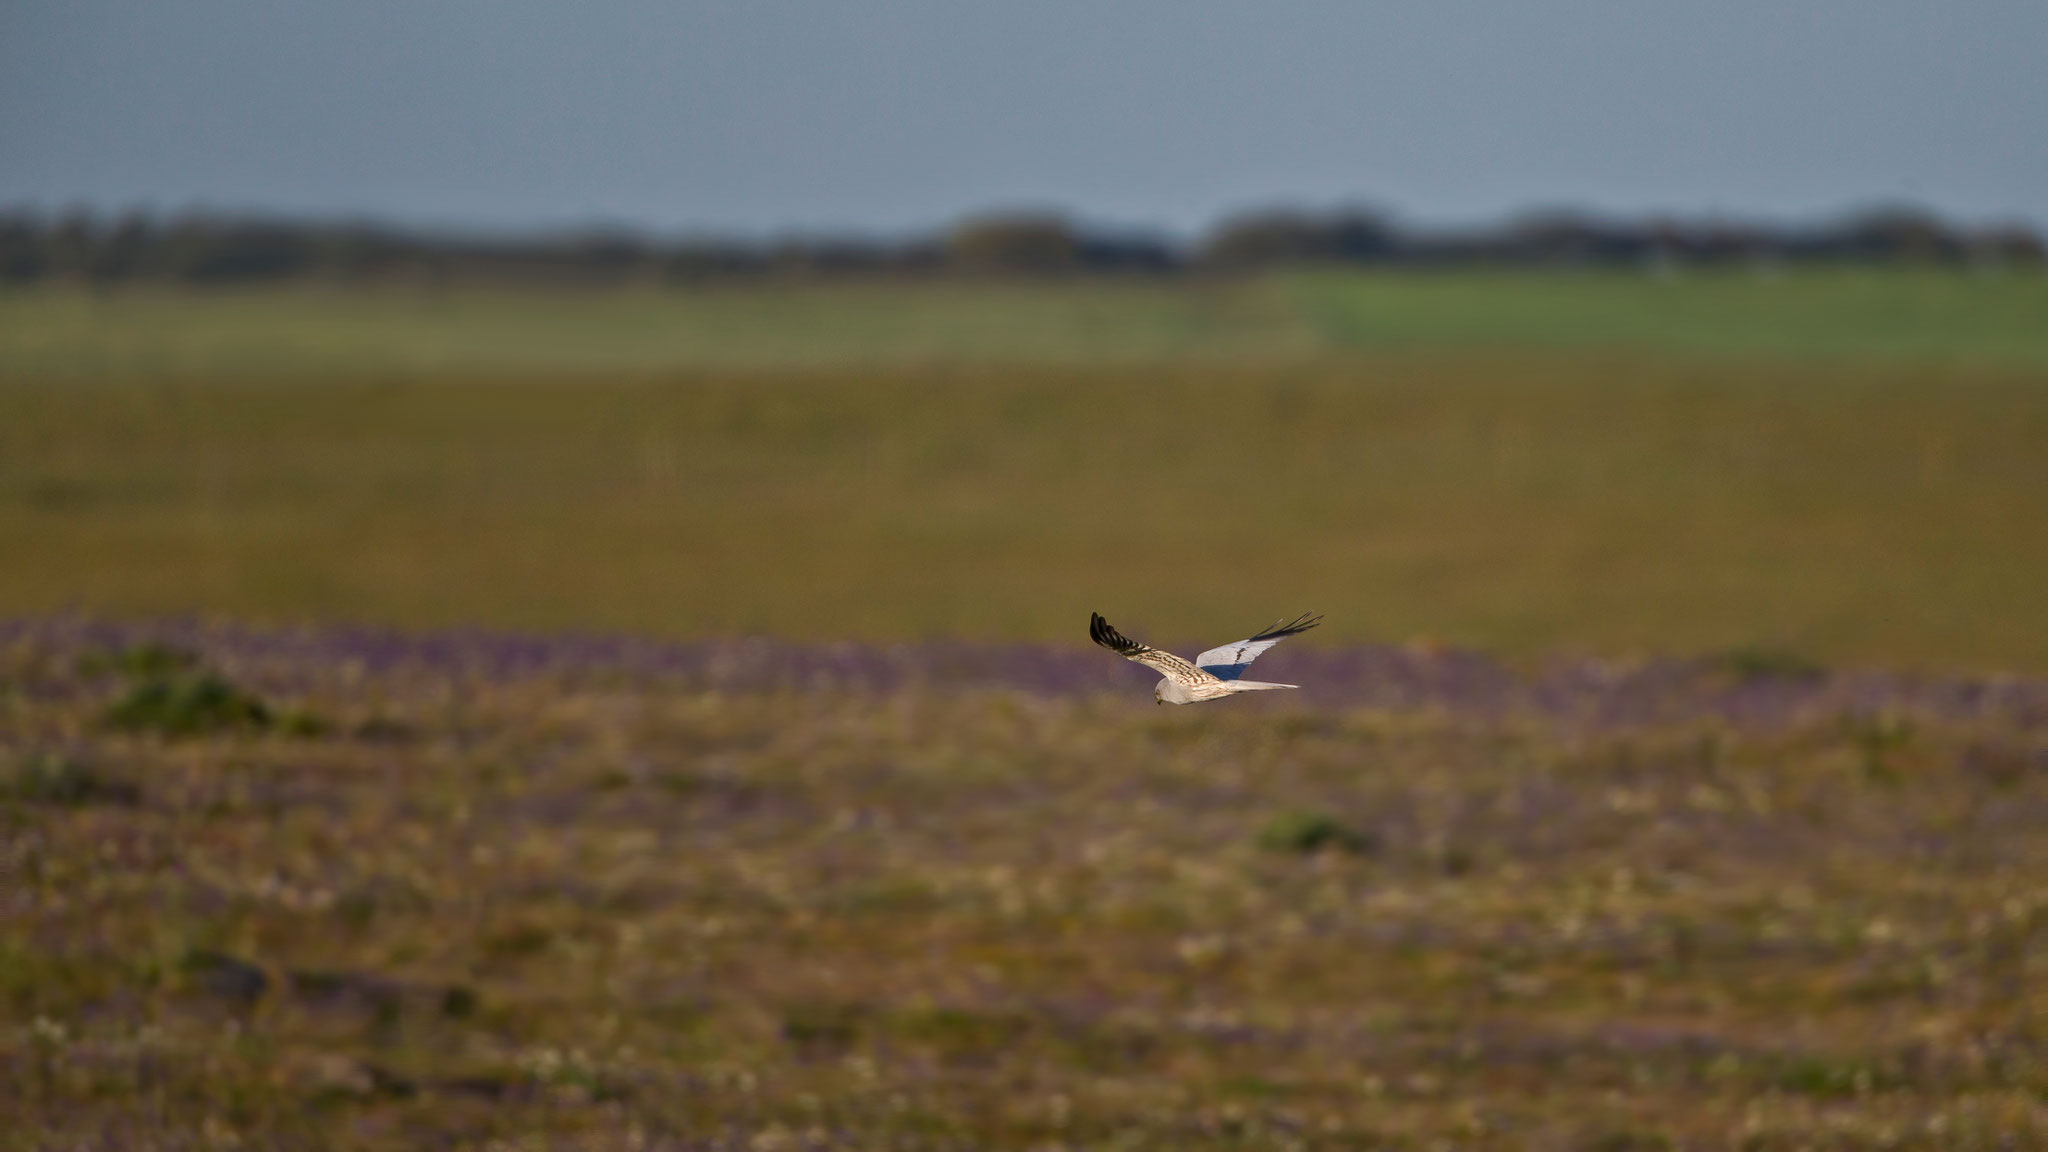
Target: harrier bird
(1214, 674)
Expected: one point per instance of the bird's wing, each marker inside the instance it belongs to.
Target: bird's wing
(1172, 667)
(1230, 661)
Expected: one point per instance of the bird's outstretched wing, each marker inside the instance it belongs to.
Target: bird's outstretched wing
(1172, 667)
(1230, 661)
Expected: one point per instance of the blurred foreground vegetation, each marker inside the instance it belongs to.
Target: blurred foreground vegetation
(445, 909)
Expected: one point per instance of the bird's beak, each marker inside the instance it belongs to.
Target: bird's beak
(1157, 700)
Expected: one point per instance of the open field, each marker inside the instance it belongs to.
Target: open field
(1849, 464)
(358, 890)
(1883, 316)
(1671, 773)
(1528, 502)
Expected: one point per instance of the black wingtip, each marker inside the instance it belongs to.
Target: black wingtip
(1100, 632)
(1294, 627)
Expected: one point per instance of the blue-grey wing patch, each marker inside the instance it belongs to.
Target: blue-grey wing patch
(1230, 661)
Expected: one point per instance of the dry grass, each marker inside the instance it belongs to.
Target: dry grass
(591, 909)
(1529, 503)
(348, 889)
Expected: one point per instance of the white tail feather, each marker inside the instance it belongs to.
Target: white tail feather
(1255, 685)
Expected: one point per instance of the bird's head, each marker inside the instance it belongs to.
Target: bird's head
(1158, 693)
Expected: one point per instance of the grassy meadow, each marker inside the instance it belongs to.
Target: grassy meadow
(660, 719)
(1878, 317)
(1851, 465)
(336, 891)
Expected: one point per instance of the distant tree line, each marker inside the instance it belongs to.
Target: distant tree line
(201, 249)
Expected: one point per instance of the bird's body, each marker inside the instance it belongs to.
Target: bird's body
(1210, 676)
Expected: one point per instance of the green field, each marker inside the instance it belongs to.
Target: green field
(1882, 316)
(1853, 465)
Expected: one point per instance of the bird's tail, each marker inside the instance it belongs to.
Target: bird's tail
(1255, 685)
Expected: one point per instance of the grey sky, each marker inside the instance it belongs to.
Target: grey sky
(763, 115)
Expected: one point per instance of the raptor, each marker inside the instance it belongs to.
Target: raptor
(1212, 675)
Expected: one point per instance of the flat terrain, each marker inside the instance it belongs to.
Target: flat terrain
(660, 720)
(1882, 316)
(348, 890)
(1876, 511)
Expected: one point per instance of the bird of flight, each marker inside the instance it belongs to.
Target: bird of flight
(1214, 674)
